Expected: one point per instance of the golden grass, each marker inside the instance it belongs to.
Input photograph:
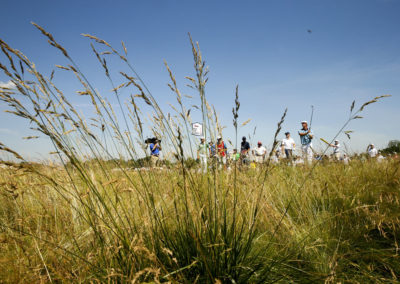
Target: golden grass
(342, 216)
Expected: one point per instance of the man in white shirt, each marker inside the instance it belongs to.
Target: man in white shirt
(380, 158)
(259, 153)
(288, 146)
(336, 150)
(372, 151)
(346, 159)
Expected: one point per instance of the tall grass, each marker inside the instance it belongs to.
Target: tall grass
(89, 218)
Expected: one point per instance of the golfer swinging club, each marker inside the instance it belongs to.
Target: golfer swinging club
(306, 137)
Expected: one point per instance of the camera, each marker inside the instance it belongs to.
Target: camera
(152, 140)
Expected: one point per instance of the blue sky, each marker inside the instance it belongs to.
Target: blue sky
(352, 53)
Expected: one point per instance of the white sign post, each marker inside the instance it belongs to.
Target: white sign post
(197, 129)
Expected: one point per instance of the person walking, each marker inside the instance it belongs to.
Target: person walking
(288, 146)
(306, 137)
(259, 153)
(202, 152)
(221, 152)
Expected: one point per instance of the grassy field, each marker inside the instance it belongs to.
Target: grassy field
(341, 225)
(88, 218)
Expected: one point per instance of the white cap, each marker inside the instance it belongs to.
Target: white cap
(219, 137)
(336, 140)
(304, 121)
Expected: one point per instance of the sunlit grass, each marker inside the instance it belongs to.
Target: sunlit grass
(343, 225)
(91, 217)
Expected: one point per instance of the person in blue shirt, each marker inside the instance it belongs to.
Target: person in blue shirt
(213, 151)
(155, 149)
(306, 137)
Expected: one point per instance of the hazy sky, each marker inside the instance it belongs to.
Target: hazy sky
(351, 53)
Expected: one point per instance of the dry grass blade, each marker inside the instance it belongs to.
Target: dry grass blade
(352, 106)
(118, 87)
(9, 58)
(367, 103)
(143, 96)
(125, 50)
(96, 39)
(63, 67)
(373, 101)
(382, 96)
(6, 149)
(51, 39)
(246, 122)
(235, 109)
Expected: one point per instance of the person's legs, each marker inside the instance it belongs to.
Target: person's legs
(245, 159)
(203, 163)
(154, 161)
(304, 152)
(309, 154)
(287, 153)
(219, 162)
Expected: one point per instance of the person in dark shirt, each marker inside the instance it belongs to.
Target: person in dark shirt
(244, 150)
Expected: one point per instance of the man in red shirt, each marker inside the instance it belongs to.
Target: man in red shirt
(221, 152)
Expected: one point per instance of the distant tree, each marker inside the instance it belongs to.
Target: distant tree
(393, 146)
(393, 143)
(141, 162)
